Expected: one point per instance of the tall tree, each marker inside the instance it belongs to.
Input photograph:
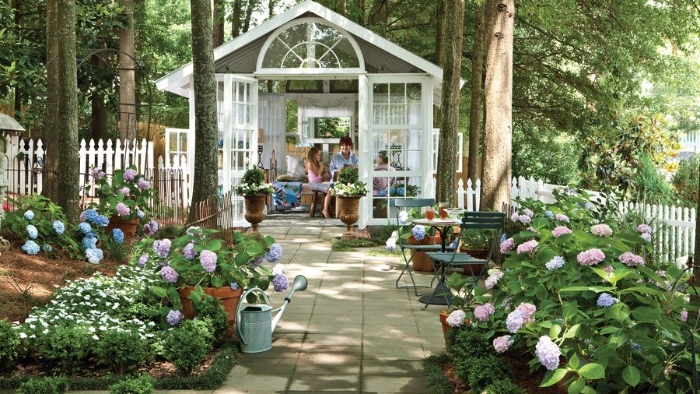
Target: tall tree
(67, 125)
(447, 151)
(219, 19)
(476, 87)
(205, 117)
(498, 130)
(127, 73)
(50, 175)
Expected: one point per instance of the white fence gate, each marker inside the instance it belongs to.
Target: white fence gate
(674, 227)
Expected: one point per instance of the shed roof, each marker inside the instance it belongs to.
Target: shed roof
(240, 55)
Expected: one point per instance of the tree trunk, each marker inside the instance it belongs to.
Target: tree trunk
(205, 117)
(127, 75)
(98, 123)
(219, 18)
(476, 95)
(498, 130)
(67, 125)
(447, 152)
(439, 53)
(252, 5)
(51, 136)
(236, 19)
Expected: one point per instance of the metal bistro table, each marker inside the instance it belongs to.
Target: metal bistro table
(442, 293)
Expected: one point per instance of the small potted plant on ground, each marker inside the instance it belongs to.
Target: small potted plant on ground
(348, 191)
(255, 191)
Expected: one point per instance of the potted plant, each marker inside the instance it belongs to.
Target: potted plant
(465, 294)
(255, 191)
(348, 191)
(125, 198)
(195, 263)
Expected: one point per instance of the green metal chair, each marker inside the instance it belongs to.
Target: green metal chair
(493, 222)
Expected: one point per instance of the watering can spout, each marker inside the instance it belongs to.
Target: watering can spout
(299, 284)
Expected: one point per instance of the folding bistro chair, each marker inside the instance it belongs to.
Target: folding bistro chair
(404, 228)
(442, 262)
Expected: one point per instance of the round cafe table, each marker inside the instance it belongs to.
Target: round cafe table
(442, 294)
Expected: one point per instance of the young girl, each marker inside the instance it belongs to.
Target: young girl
(314, 168)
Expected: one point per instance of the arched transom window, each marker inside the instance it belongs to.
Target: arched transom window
(310, 45)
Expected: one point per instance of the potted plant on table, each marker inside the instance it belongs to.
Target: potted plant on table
(348, 191)
(195, 264)
(255, 191)
(124, 198)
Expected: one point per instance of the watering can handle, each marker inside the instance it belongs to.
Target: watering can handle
(238, 310)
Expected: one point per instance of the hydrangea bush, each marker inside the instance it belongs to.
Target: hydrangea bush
(197, 259)
(580, 293)
(126, 194)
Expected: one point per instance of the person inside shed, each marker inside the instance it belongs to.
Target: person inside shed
(314, 170)
(380, 185)
(344, 158)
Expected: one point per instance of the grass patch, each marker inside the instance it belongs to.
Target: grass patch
(384, 252)
(343, 245)
(210, 379)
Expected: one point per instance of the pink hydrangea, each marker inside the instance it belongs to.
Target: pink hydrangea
(631, 259)
(122, 209)
(483, 312)
(507, 245)
(590, 257)
(494, 276)
(644, 229)
(601, 230)
(528, 310)
(561, 217)
(502, 343)
(646, 236)
(515, 320)
(548, 353)
(528, 246)
(560, 230)
(456, 318)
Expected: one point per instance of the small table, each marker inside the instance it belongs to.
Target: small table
(442, 293)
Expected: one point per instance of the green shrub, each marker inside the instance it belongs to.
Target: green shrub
(211, 310)
(53, 385)
(467, 342)
(122, 351)
(686, 179)
(187, 346)
(504, 386)
(66, 347)
(9, 341)
(480, 371)
(140, 385)
(649, 185)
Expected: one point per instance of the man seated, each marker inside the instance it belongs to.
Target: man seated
(380, 186)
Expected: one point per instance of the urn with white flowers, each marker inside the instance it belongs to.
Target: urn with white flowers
(197, 263)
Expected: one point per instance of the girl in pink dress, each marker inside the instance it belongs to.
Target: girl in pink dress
(314, 169)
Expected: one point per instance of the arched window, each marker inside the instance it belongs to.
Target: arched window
(310, 45)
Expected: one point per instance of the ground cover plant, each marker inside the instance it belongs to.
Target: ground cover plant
(580, 295)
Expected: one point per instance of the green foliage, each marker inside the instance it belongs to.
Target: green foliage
(343, 245)
(504, 386)
(253, 182)
(481, 371)
(686, 180)
(66, 347)
(139, 385)
(467, 343)
(435, 376)
(544, 157)
(187, 346)
(211, 311)
(349, 183)
(649, 186)
(9, 342)
(50, 385)
(40, 212)
(123, 352)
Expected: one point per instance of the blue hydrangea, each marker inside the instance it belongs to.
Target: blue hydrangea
(162, 247)
(234, 286)
(89, 242)
(280, 282)
(174, 317)
(30, 247)
(94, 255)
(58, 227)
(548, 353)
(32, 231)
(141, 214)
(118, 235)
(169, 274)
(605, 300)
(29, 215)
(47, 248)
(418, 232)
(101, 220)
(275, 253)
(208, 260)
(89, 215)
(143, 259)
(85, 228)
(555, 263)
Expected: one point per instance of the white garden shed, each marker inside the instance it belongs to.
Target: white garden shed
(331, 67)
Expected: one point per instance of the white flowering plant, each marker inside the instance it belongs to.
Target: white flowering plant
(349, 184)
(581, 292)
(126, 194)
(198, 259)
(253, 182)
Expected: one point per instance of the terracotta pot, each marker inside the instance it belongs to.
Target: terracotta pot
(446, 327)
(348, 213)
(255, 209)
(227, 297)
(421, 261)
(128, 226)
(428, 240)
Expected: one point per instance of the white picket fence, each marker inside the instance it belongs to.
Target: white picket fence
(673, 227)
(171, 177)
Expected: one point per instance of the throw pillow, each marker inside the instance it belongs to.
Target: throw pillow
(295, 168)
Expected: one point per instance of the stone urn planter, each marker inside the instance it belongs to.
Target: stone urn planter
(348, 213)
(255, 209)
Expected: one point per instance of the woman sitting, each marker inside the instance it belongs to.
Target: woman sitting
(314, 169)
